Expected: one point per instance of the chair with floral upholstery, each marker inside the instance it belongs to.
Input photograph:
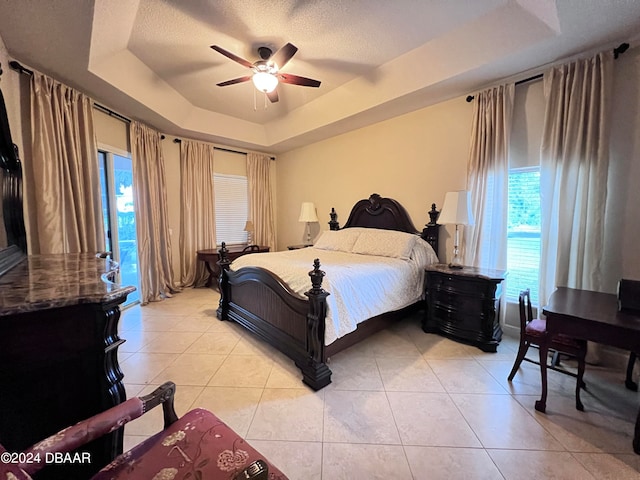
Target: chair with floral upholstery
(198, 445)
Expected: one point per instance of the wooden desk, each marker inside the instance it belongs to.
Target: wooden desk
(591, 316)
(211, 256)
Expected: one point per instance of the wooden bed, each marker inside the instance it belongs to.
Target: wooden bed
(260, 301)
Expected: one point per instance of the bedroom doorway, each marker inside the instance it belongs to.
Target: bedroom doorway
(116, 180)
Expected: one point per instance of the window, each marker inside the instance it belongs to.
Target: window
(232, 208)
(116, 181)
(523, 232)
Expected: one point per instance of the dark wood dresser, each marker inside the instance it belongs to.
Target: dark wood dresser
(59, 353)
(464, 304)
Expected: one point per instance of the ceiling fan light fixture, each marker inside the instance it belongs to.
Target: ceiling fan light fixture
(265, 82)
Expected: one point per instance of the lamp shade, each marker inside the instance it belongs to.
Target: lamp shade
(248, 227)
(457, 209)
(308, 212)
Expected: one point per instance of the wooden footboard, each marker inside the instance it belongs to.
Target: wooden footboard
(262, 303)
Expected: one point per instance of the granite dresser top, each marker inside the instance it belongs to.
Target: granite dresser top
(466, 271)
(50, 281)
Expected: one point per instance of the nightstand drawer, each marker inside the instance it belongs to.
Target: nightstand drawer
(455, 302)
(454, 284)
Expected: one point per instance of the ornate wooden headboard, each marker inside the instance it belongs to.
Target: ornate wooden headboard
(387, 214)
(380, 212)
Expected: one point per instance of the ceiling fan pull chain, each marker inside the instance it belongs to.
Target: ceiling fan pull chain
(255, 103)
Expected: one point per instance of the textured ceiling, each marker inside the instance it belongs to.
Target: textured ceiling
(151, 59)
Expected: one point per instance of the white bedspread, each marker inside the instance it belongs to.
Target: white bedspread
(360, 286)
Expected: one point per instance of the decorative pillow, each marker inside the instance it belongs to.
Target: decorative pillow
(385, 243)
(340, 240)
(423, 253)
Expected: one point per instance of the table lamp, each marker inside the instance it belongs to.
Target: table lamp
(456, 210)
(248, 227)
(308, 215)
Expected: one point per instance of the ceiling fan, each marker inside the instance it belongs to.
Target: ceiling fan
(266, 71)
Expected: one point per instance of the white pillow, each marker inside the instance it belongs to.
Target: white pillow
(340, 240)
(385, 243)
(423, 253)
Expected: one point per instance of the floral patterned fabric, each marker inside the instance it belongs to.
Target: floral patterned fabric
(83, 432)
(9, 470)
(198, 446)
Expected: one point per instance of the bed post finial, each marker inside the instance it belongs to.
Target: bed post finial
(433, 215)
(223, 282)
(315, 372)
(316, 277)
(333, 224)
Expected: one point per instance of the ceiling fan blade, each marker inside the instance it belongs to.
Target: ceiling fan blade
(273, 96)
(234, 81)
(232, 56)
(282, 56)
(298, 80)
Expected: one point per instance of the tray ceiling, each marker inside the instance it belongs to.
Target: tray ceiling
(151, 59)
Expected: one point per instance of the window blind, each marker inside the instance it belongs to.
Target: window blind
(523, 232)
(232, 207)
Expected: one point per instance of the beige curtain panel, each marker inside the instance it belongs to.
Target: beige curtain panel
(64, 170)
(574, 165)
(152, 220)
(198, 230)
(260, 199)
(488, 176)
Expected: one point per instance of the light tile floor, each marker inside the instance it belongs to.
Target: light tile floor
(403, 404)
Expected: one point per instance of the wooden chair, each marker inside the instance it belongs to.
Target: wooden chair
(629, 299)
(533, 332)
(197, 445)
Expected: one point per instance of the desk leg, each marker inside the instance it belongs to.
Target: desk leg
(212, 275)
(541, 405)
(629, 383)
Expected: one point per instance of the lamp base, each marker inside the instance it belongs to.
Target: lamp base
(456, 261)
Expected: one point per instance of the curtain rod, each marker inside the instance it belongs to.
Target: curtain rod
(111, 113)
(623, 47)
(178, 140)
(19, 68)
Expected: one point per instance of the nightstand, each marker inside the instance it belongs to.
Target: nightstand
(297, 247)
(464, 304)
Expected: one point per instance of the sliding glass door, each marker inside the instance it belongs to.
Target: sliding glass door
(116, 178)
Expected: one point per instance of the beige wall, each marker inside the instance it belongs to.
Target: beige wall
(415, 158)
